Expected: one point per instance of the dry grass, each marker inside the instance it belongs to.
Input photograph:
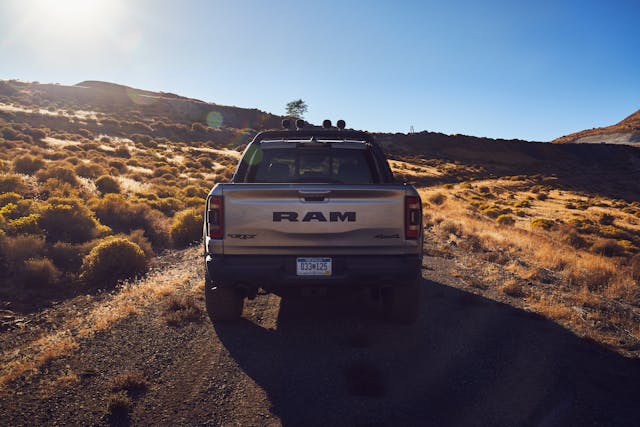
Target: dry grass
(131, 299)
(556, 269)
(181, 309)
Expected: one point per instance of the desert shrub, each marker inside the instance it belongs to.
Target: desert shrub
(66, 256)
(138, 237)
(545, 224)
(168, 206)
(195, 191)
(450, 227)
(437, 198)
(606, 219)
(542, 196)
(89, 170)
(513, 288)
(505, 219)
(585, 226)
(62, 173)
(181, 309)
(26, 224)
(15, 250)
(194, 202)
(27, 164)
(570, 205)
(118, 407)
(112, 260)
(69, 220)
(607, 247)
(55, 188)
(107, 184)
(495, 211)
(20, 208)
(85, 133)
(523, 204)
(162, 171)
(40, 272)
(125, 217)
(574, 239)
(10, 197)
(186, 227)
(133, 383)
(12, 183)
(122, 151)
(118, 165)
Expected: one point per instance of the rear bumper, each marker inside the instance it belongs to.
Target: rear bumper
(276, 272)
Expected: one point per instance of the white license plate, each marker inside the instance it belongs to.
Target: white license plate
(313, 266)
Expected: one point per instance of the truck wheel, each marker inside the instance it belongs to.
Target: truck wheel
(223, 304)
(402, 303)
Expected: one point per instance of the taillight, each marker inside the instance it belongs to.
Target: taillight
(215, 218)
(413, 217)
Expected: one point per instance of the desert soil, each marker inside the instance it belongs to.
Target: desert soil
(469, 360)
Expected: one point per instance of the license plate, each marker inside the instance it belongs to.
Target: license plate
(313, 266)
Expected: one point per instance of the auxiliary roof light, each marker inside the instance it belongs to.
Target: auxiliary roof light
(286, 124)
(341, 124)
(326, 124)
(300, 123)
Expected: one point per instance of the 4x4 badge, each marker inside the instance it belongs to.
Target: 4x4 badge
(241, 236)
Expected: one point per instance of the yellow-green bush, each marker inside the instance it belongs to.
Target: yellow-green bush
(26, 225)
(27, 164)
(89, 170)
(186, 227)
(107, 184)
(543, 223)
(194, 191)
(523, 204)
(112, 260)
(64, 173)
(10, 197)
(167, 206)
(194, 202)
(123, 216)
(12, 183)
(69, 220)
(505, 219)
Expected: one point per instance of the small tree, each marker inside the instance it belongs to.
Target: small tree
(297, 109)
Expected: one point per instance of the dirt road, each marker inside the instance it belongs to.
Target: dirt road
(467, 361)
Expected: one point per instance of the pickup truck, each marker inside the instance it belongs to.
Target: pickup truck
(313, 212)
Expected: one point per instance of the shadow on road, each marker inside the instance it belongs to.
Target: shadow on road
(467, 361)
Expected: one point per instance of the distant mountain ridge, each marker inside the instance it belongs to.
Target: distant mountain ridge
(625, 132)
(112, 97)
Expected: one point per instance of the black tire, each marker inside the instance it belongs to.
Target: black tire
(402, 303)
(223, 304)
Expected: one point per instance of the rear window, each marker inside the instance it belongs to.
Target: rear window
(315, 165)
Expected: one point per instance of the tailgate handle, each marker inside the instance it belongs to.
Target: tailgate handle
(314, 196)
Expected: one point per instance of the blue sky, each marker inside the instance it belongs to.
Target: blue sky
(507, 69)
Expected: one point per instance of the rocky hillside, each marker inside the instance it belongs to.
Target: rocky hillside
(625, 132)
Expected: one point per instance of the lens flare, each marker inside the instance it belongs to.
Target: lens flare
(214, 119)
(140, 99)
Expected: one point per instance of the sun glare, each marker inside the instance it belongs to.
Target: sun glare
(71, 12)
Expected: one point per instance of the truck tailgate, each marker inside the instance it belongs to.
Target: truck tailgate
(314, 219)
